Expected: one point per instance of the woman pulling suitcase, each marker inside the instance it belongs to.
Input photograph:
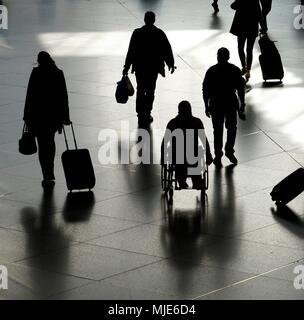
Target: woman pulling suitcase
(245, 26)
(46, 111)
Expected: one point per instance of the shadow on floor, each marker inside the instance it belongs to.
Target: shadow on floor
(78, 206)
(43, 235)
(287, 218)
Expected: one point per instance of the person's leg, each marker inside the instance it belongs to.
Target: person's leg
(215, 6)
(231, 126)
(241, 50)
(218, 127)
(249, 49)
(150, 93)
(181, 175)
(46, 153)
(266, 8)
(140, 93)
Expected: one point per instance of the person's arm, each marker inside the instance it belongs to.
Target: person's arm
(130, 54)
(261, 19)
(163, 146)
(206, 93)
(28, 107)
(65, 100)
(240, 87)
(169, 58)
(205, 142)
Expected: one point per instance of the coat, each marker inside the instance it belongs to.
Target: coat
(46, 104)
(221, 83)
(149, 50)
(247, 18)
(184, 123)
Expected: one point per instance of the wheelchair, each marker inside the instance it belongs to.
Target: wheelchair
(169, 182)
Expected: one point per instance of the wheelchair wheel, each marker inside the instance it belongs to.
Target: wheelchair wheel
(203, 196)
(170, 200)
(206, 178)
(164, 177)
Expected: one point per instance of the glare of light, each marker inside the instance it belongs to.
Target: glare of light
(96, 44)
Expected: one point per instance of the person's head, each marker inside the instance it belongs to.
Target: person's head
(184, 109)
(149, 18)
(44, 59)
(223, 55)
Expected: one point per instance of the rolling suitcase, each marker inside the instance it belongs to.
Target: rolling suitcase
(289, 188)
(77, 166)
(270, 60)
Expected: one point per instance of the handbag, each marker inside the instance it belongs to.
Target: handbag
(124, 89)
(129, 86)
(27, 143)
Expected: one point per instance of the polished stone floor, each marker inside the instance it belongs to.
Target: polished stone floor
(122, 241)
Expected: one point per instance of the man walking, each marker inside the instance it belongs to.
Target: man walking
(149, 50)
(220, 85)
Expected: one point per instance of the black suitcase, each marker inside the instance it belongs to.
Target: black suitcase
(289, 188)
(270, 60)
(77, 166)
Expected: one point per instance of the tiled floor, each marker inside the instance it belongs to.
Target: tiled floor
(123, 242)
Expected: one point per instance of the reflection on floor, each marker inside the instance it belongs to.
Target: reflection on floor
(123, 241)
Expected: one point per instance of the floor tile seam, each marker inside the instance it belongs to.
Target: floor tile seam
(123, 5)
(235, 236)
(48, 252)
(22, 163)
(253, 192)
(270, 155)
(88, 242)
(131, 270)
(268, 244)
(122, 250)
(261, 157)
(138, 223)
(12, 227)
(106, 281)
(272, 139)
(143, 289)
(242, 211)
(248, 279)
(195, 71)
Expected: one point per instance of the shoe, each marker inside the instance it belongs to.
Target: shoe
(232, 158)
(183, 184)
(244, 70)
(215, 7)
(48, 184)
(217, 162)
(247, 75)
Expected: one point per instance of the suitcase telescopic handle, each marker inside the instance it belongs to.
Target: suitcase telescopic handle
(65, 137)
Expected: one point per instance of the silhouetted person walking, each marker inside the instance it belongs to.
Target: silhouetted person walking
(185, 120)
(266, 8)
(46, 110)
(222, 82)
(215, 6)
(149, 50)
(245, 26)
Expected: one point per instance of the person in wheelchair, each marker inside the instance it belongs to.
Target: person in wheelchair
(184, 121)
